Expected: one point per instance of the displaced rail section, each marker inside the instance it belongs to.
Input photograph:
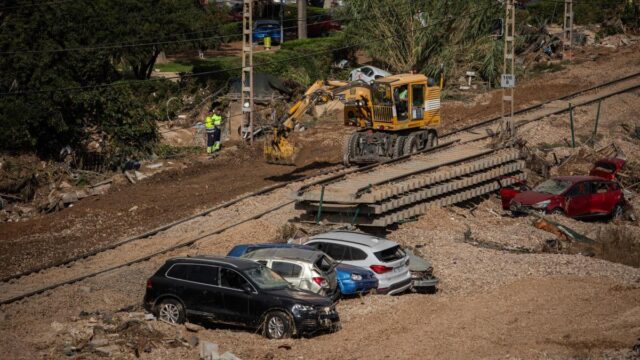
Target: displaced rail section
(401, 190)
(397, 192)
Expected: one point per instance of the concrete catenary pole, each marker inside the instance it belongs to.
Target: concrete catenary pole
(508, 68)
(247, 68)
(302, 19)
(567, 35)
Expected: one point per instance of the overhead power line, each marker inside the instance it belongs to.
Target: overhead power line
(212, 72)
(123, 45)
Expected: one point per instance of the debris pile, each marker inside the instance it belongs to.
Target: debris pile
(111, 334)
(29, 186)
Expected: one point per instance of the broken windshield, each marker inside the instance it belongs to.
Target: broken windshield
(382, 94)
(553, 186)
(266, 278)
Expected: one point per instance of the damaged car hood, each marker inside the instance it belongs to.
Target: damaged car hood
(300, 295)
(532, 197)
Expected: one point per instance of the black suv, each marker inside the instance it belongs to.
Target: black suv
(236, 291)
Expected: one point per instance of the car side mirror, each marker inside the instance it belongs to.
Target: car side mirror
(247, 288)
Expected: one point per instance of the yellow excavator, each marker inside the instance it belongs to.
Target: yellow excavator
(395, 115)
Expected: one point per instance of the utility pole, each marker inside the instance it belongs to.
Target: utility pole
(247, 68)
(302, 19)
(567, 35)
(508, 80)
(281, 21)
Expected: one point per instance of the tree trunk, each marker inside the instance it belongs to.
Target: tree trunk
(152, 62)
(302, 19)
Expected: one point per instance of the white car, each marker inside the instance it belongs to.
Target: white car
(368, 74)
(383, 257)
(305, 269)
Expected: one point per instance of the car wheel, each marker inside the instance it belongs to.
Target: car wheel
(277, 325)
(171, 311)
(556, 211)
(617, 212)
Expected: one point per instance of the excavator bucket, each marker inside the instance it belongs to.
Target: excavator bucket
(278, 150)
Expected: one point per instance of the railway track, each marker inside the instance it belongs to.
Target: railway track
(399, 191)
(374, 195)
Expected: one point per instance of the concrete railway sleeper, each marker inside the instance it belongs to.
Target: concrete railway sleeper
(410, 212)
(350, 188)
(424, 194)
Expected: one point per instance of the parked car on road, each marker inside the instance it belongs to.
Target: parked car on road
(367, 74)
(305, 269)
(385, 258)
(321, 25)
(236, 291)
(266, 28)
(351, 279)
(573, 196)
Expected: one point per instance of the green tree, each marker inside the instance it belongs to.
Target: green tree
(425, 33)
(42, 108)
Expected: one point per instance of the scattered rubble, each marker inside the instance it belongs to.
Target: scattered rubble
(209, 351)
(193, 327)
(109, 334)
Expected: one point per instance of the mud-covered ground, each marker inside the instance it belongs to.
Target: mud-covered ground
(511, 299)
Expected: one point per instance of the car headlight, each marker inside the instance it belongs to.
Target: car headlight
(356, 277)
(298, 309)
(541, 204)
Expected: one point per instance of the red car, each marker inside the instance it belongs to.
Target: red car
(321, 25)
(607, 168)
(574, 196)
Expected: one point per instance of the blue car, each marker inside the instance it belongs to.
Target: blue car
(354, 280)
(264, 28)
(351, 279)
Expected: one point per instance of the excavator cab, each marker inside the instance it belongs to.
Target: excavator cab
(405, 101)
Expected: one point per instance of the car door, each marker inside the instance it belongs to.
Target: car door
(195, 285)
(599, 190)
(578, 199)
(204, 287)
(611, 197)
(288, 270)
(417, 101)
(237, 302)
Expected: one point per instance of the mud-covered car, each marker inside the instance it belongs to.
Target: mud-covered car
(422, 279)
(352, 280)
(577, 197)
(236, 291)
(384, 257)
(306, 269)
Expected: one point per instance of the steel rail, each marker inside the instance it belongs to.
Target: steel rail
(263, 191)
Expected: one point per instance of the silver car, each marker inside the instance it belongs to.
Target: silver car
(368, 74)
(384, 257)
(305, 269)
